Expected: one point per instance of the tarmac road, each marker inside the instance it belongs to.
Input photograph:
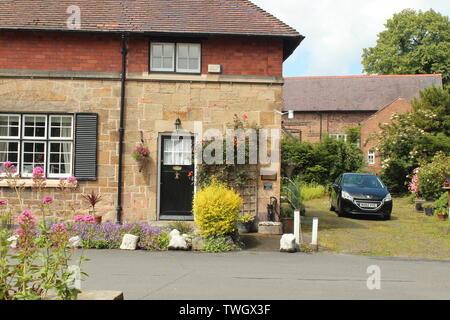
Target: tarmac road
(249, 275)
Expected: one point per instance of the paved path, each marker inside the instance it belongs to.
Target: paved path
(262, 275)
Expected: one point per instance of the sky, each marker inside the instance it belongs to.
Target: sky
(336, 31)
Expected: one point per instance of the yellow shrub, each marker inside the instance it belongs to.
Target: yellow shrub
(216, 209)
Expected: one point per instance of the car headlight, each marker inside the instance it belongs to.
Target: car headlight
(388, 197)
(346, 195)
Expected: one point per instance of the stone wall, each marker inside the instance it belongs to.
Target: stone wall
(151, 107)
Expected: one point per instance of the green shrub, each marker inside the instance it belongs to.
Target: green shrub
(183, 227)
(432, 176)
(163, 240)
(311, 191)
(219, 244)
(286, 210)
(322, 162)
(442, 204)
(216, 209)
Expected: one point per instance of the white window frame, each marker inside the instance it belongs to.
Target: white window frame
(369, 155)
(338, 136)
(19, 153)
(20, 125)
(22, 162)
(59, 175)
(21, 139)
(24, 137)
(180, 70)
(50, 128)
(172, 69)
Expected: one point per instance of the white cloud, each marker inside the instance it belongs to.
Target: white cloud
(336, 31)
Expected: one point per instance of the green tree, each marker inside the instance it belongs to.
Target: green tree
(414, 137)
(415, 42)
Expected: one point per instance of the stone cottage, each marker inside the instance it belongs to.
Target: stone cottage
(83, 83)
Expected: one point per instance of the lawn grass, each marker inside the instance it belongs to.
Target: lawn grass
(408, 234)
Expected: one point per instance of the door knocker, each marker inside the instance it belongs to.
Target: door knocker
(177, 172)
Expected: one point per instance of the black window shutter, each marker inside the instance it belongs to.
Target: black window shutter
(86, 146)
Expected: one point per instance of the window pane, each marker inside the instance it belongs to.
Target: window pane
(193, 64)
(194, 51)
(168, 50)
(183, 51)
(182, 63)
(40, 132)
(35, 126)
(9, 126)
(157, 50)
(9, 152)
(61, 127)
(168, 63)
(60, 159)
(156, 63)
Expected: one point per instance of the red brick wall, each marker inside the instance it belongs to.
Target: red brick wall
(371, 126)
(332, 122)
(244, 56)
(58, 51)
(88, 52)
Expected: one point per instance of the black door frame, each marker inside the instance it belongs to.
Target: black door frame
(158, 179)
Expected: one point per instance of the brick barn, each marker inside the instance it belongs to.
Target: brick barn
(330, 105)
(77, 99)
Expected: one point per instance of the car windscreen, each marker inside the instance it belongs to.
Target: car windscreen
(362, 181)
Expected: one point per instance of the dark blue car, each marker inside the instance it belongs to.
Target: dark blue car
(360, 194)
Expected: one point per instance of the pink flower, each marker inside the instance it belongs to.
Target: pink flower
(47, 200)
(89, 219)
(58, 227)
(38, 172)
(8, 166)
(26, 218)
(245, 116)
(79, 218)
(3, 202)
(72, 180)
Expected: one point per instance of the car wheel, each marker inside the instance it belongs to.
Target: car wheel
(331, 205)
(340, 212)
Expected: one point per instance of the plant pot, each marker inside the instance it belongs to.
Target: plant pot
(442, 217)
(429, 211)
(419, 203)
(98, 219)
(245, 227)
(288, 225)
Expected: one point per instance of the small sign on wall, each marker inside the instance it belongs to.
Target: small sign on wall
(268, 186)
(214, 68)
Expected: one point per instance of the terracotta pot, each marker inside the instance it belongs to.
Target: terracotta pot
(442, 217)
(288, 225)
(98, 219)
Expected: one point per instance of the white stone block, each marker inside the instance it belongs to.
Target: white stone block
(75, 242)
(129, 242)
(287, 243)
(177, 241)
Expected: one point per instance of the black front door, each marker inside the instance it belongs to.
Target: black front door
(176, 178)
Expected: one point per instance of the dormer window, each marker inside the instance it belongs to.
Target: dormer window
(175, 57)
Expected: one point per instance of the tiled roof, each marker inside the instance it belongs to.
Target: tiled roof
(226, 17)
(353, 93)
